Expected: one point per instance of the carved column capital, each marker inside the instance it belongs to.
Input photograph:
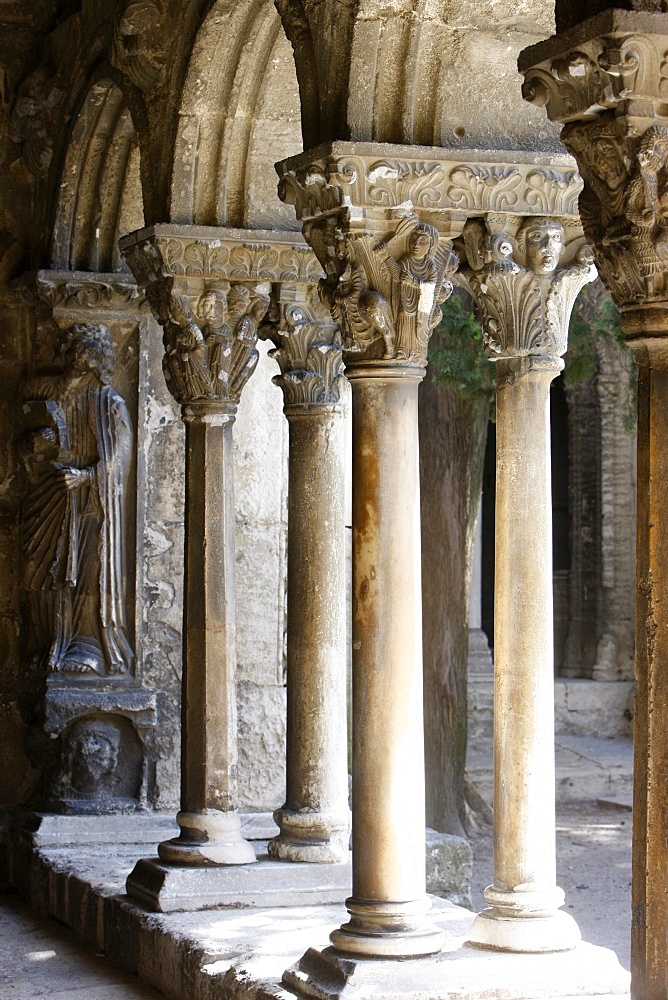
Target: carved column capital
(381, 220)
(607, 81)
(524, 275)
(210, 291)
(307, 349)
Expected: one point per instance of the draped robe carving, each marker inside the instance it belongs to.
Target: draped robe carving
(77, 453)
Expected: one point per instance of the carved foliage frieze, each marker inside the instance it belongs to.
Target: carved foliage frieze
(355, 184)
(525, 297)
(72, 292)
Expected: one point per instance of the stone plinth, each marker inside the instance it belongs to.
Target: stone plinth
(268, 883)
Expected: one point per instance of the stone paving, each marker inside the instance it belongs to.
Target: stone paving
(41, 958)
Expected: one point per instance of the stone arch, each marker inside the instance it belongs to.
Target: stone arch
(391, 72)
(239, 113)
(99, 197)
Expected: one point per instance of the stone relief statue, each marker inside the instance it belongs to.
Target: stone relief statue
(100, 767)
(76, 453)
(386, 300)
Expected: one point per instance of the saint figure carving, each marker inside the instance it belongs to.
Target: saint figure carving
(77, 453)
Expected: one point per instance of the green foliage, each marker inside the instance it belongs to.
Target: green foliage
(457, 359)
(456, 356)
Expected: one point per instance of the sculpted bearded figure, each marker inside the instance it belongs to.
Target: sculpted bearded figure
(77, 454)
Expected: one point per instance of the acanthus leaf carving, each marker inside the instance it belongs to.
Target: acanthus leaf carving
(477, 187)
(525, 298)
(194, 257)
(308, 353)
(400, 182)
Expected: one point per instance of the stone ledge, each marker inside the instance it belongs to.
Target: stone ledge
(244, 953)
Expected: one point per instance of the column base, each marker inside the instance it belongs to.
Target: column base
(314, 838)
(172, 889)
(531, 933)
(207, 839)
(387, 930)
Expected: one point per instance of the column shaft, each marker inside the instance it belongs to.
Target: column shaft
(524, 770)
(208, 819)
(389, 901)
(315, 820)
(649, 969)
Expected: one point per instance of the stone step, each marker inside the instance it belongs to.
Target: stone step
(587, 767)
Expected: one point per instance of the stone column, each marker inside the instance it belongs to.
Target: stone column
(210, 332)
(315, 819)
(210, 826)
(608, 90)
(525, 299)
(385, 279)
(388, 903)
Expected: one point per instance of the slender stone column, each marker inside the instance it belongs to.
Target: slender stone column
(650, 816)
(384, 291)
(388, 903)
(210, 826)
(607, 86)
(210, 335)
(315, 819)
(525, 309)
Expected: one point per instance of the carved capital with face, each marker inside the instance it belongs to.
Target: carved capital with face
(525, 298)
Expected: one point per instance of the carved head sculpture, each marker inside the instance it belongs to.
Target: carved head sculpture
(94, 747)
(212, 308)
(541, 243)
(422, 240)
(87, 348)
(238, 300)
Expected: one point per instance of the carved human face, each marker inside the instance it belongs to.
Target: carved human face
(212, 307)
(83, 356)
(545, 244)
(95, 756)
(420, 243)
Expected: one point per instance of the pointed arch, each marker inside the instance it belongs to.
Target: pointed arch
(99, 197)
